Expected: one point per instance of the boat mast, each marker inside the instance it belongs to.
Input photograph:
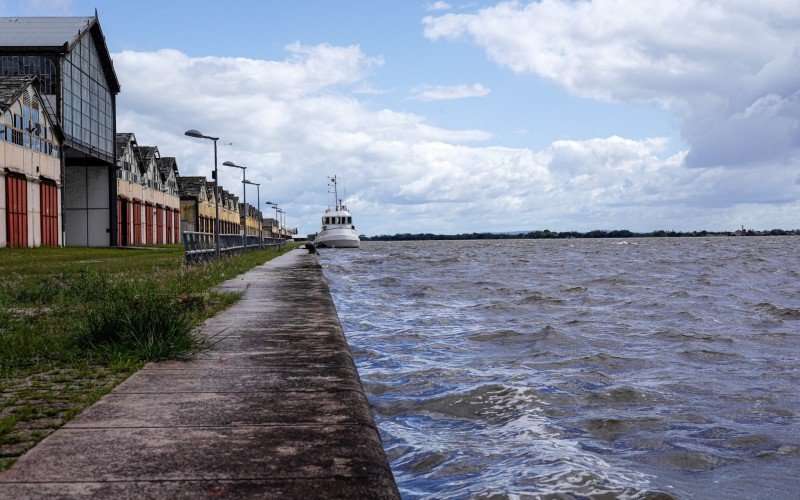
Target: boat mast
(335, 193)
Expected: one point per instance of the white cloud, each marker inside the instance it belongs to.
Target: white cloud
(367, 89)
(438, 6)
(730, 70)
(294, 121)
(448, 93)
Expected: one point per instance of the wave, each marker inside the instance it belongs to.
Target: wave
(780, 312)
(507, 336)
(539, 298)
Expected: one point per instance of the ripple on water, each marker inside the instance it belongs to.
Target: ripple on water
(579, 368)
(778, 312)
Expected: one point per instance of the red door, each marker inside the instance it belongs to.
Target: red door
(177, 226)
(48, 195)
(148, 223)
(168, 225)
(137, 223)
(16, 211)
(129, 223)
(160, 225)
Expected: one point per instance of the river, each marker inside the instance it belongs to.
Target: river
(634, 368)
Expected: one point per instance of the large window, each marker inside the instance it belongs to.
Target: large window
(87, 109)
(30, 131)
(41, 66)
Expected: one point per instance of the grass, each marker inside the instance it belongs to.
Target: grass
(74, 322)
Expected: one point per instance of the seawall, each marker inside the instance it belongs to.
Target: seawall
(275, 408)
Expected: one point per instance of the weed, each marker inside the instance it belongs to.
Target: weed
(74, 322)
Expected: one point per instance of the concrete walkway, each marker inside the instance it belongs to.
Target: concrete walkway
(274, 409)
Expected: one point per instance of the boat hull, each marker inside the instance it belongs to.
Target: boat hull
(337, 239)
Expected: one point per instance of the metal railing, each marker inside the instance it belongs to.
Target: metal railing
(200, 246)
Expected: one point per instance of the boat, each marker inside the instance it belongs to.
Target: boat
(338, 230)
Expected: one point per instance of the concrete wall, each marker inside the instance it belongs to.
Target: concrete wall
(86, 206)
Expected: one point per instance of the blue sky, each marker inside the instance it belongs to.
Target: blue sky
(474, 116)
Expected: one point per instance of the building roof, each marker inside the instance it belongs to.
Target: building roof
(42, 31)
(144, 155)
(13, 86)
(55, 34)
(167, 164)
(190, 186)
(122, 139)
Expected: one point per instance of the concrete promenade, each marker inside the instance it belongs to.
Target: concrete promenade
(274, 410)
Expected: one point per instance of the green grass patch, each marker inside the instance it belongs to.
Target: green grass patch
(74, 322)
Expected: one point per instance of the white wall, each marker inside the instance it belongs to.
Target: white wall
(86, 206)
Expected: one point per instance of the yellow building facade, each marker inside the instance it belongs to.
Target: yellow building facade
(31, 170)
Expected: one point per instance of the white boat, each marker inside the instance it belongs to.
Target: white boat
(338, 230)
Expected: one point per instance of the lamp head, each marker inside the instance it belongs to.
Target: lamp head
(196, 133)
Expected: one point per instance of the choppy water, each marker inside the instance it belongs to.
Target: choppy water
(580, 367)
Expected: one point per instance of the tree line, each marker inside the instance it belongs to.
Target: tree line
(597, 233)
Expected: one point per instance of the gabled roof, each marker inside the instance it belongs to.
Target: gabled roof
(191, 186)
(13, 86)
(167, 164)
(55, 34)
(145, 155)
(122, 139)
(42, 31)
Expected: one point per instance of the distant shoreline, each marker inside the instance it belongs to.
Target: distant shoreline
(597, 233)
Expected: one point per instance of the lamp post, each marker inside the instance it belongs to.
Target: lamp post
(275, 206)
(197, 134)
(244, 200)
(258, 207)
(283, 222)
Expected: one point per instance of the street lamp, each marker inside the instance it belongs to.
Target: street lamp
(275, 205)
(258, 207)
(198, 135)
(283, 222)
(244, 201)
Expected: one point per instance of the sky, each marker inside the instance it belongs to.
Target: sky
(462, 116)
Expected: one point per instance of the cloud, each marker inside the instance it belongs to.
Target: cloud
(438, 6)
(367, 89)
(730, 71)
(448, 93)
(294, 121)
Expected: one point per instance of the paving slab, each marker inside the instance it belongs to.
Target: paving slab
(273, 409)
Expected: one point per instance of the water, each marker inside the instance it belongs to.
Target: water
(641, 368)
